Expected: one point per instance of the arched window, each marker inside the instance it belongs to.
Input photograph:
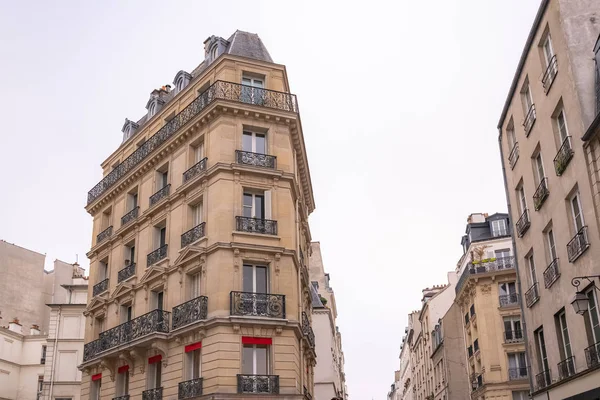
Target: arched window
(180, 84)
(152, 109)
(214, 52)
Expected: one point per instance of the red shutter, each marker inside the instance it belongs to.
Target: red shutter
(123, 369)
(96, 377)
(155, 359)
(256, 340)
(193, 346)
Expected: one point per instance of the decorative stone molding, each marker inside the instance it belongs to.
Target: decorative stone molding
(126, 359)
(236, 328)
(137, 358)
(161, 348)
(486, 289)
(107, 364)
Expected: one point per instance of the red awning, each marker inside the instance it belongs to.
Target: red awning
(256, 340)
(193, 346)
(155, 359)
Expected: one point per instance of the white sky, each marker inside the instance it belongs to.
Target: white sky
(399, 102)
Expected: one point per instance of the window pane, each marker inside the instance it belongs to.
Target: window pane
(576, 213)
(261, 280)
(261, 361)
(594, 315)
(248, 284)
(247, 360)
(261, 144)
(247, 141)
(247, 209)
(259, 207)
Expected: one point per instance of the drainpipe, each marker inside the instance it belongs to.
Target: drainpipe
(54, 353)
(514, 245)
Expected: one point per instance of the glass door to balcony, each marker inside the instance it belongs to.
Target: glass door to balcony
(254, 206)
(252, 90)
(255, 283)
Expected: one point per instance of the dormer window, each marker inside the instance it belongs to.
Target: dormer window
(182, 79)
(129, 128)
(214, 52)
(151, 110)
(213, 47)
(154, 105)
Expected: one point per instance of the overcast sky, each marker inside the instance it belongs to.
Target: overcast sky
(399, 103)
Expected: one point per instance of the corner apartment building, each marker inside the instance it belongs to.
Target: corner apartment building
(402, 388)
(551, 182)
(199, 283)
(329, 376)
(487, 295)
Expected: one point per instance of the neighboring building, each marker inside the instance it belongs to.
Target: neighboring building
(403, 382)
(488, 297)
(198, 283)
(548, 170)
(395, 392)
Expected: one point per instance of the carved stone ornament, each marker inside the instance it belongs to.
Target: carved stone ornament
(236, 328)
(486, 289)
(126, 359)
(108, 365)
(277, 259)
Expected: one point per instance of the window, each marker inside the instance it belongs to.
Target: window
(162, 177)
(254, 205)
(499, 228)
(130, 254)
(548, 50)
(517, 365)
(43, 358)
(252, 90)
(522, 395)
(577, 215)
(102, 270)
(255, 279)
(527, 98)
(539, 168)
(161, 236)
(194, 285)
(541, 345)
(151, 109)
(254, 142)
(253, 81)
(503, 258)
(126, 313)
(132, 199)
(561, 122)
(40, 385)
(563, 335)
(532, 273)
(522, 200)
(158, 300)
(122, 384)
(194, 364)
(593, 315)
(255, 359)
(551, 245)
(507, 288)
(512, 329)
(196, 214)
(198, 153)
(510, 134)
(99, 325)
(95, 389)
(214, 52)
(154, 375)
(180, 84)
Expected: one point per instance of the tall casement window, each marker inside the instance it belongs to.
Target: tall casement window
(510, 135)
(198, 152)
(517, 365)
(503, 258)
(95, 387)
(254, 142)
(162, 177)
(532, 272)
(194, 285)
(512, 329)
(255, 205)
(122, 384)
(154, 378)
(522, 200)
(255, 279)
(157, 300)
(499, 228)
(126, 313)
(539, 168)
(521, 395)
(252, 89)
(592, 318)
(563, 335)
(99, 325)
(160, 233)
(196, 214)
(106, 219)
(541, 347)
(193, 361)
(255, 359)
(527, 97)
(507, 288)
(576, 213)
(561, 125)
(551, 245)
(548, 50)
(103, 270)
(129, 255)
(257, 82)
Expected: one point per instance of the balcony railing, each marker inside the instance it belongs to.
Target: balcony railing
(529, 120)
(541, 194)
(551, 273)
(256, 225)
(153, 394)
(307, 395)
(156, 321)
(307, 330)
(550, 74)
(476, 346)
(157, 255)
(195, 170)
(470, 351)
(255, 159)
(498, 264)
(190, 389)
(105, 234)
(515, 336)
(130, 216)
(578, 245)
(257, 304)
(532, 295)
(192, 235)
(566, 368)
(190, 311)
(161, 194)
(543, 379)
(517, 373)
(509, 300)
(219, 90)
(126, 273)
(477, 381)
(100, 287)
(523, 223)
(267, 384)
(563, 157)
(514, 155)
(592, 355)
(124, 397)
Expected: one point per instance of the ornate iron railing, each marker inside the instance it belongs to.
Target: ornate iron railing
(195, 170)
(563, 157)
(161, 194)
(476, 381)
(105, 234)
(307, 330)
(514, 155)
(307, 395)
(192, 235)
(532, 295)
(515, 336)
(566, 368)
(130, 216)
(190, 389)
(255, 159)
(126, 272)
(157, 255)
(257, 304)
(550, 74)
(551, 273)
(124, 397)
(523, 223)
(268, 384)
(509, 300)
(529, 120)
(100, 287)
(517, 373)
(153, 394)
(578, 245)
(220, 90)
(256, 225)
(592, 355)
(156, 321)
(541, 194)
(190, 311)
(543, 379)
(498, 264)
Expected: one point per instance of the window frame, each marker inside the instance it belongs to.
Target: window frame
(255, 267)
(562, 115)
(193, 364)
(593, 302)
(547, 44)
(254, 347)
(574, 216)
(253, 207)
(565, 338)
(253, 141)
(551, 245)
(499, 231)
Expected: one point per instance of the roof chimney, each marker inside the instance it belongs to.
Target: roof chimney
(35, 330)
(15, 326)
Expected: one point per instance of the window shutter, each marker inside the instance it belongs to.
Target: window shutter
(268, 214)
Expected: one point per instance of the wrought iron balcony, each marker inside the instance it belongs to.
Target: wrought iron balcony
(267, 384)
(509, 300)
(130, 216)
(156, 321)
(190, 389)
(592, 355)
(124, 397)
(566, 368)
(195, 170)
(550, 74)
(493, 265)
(563, 157)
(192, 235)
(256, 225)
(514, 155)
(515, 336)
(190, 311)
(105, 234)
(476, 346)
(551, 273)
(219, 90)
(517, 373)
(470, 351)
(307, 395)
(529, 120)
(476, 381)
(157, 255)
(161, 194)
(307, 330)
(255, 159)
(523, 223)
(543, 379)
(100, 287)
(578, 245)
(126, 273)
(257, 304)
(541, 194)
(153, 394)
(532, 295)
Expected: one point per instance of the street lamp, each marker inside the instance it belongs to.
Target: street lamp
(580, 302)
